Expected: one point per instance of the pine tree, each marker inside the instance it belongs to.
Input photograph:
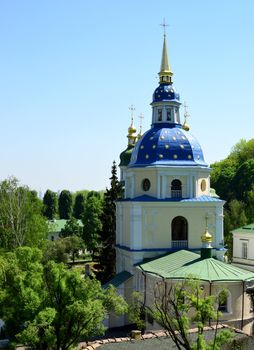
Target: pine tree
(108, 234)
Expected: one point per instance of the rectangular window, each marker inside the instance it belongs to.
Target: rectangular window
(169, 114)
(222, 302)
(244, 250)
(159, 115)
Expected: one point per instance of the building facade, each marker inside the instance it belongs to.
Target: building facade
(169, 207)
(168, 200)
(243, 247)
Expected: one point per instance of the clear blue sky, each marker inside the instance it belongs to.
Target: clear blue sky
(69, 70)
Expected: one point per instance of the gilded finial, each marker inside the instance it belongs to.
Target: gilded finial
(132, 130)
(206, 237)
(186, 116)
(140, 126)
(165, 73)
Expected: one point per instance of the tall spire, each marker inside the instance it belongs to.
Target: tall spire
(165, 73)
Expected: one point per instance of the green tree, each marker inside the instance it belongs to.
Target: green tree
(72, 227)
(92, 223)
(137, 311)
(62, 249)
(249, 200)
(21, 288)
(233, 176)
(74, 244)
(50, 204)
(71, 238)
(65, 204)
(233, 180)
(93, 194)
(243, 179)
(186, 305)
(21, 221)
(222, 175)
(51, 307)
(107, 255)
(79, 206)
(56, 251)
(242, 151)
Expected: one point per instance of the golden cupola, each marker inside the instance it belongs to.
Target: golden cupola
(132, 136)
(206, 237)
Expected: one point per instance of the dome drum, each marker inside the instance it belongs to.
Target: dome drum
(166, 113)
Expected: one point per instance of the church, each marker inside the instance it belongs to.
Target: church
(169, 225)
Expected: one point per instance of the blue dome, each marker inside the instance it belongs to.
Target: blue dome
(167, 146)
(165, 92)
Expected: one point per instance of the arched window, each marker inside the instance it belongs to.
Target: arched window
(169, 114)
(176, 189)
(146, 184)
(159, 115)
(224, 301)
(179, 230)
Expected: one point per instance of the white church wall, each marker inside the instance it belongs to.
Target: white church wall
(140, 176)
(239, 305)
(147, 225)
(156, 228)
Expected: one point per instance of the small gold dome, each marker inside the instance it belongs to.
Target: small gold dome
(132, 129)
(139, 136)
(186, 127)
(132, 136)
(206, 237)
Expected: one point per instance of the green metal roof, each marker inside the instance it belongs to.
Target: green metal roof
(57, 225)
(166, 264)
(249, 229)
(118, 279)
(183, 264)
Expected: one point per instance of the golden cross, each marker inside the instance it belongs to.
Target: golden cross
(185, 107)
(206, 220)
(186, 115)
(141, 117)
(132, 109)
(164, 25)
